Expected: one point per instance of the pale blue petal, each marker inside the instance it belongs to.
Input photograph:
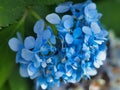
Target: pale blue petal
(29, 42)
(61, 29)
(37, 61)
(41, 82)
(19, 58)
(43, 64)
(78, 6)
(101, 55)
(85, 47)
(86, 39)
(69, 73)
(46, 34)
(36, 64)
(23, 70)
(98, 63)
(69, 38)
(37, 74)
(53, 39)
(59, 74)
(27, 54)
(66, 17)
(95, 27)
(90, 10)
(102, 35)
(38, 42)
(49, 60)
(72, 50)
(99, 41)
(38, 58)
(39, 26)
(77, 33)
(53, 18)
(91, 71)
(86, 30)
(44, 85)
(31, 69)
(14, 44)
(62, 8)
(68, 22)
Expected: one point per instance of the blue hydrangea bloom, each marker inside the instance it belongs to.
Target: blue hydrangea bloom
(75, 52)
(83, 39)
(37, 56)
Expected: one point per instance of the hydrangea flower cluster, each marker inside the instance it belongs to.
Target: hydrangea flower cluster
(75, 52)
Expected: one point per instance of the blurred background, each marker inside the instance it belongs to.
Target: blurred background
(20, 15)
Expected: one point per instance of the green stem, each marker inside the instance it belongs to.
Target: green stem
(22, 20)
(33, 13)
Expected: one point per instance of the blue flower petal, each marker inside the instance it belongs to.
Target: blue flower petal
(95, 27)
(23, 70)
(102, 35)
(69, 38)
(78, 6)
(44, 85)
(43, 64)
(68, 21)
(38, 42)
(85, 47)
(77, 33)
(14, 44)
(90, 71)
(98, 63)
(59, 74)
(46, 34)
(19, 58)
(61, 29)
(68, 24)
(49, 60)
(86, 39)
(39, 26)
(62, 8)
(66, 17)
(50, 79)
(53, 39)
(69, 73)
(90, 10)
(38, 58)
(53, 18)
(27, 54)
(31, 69)
(79, 74)
(101, 55)
(44, 49)
(86, 30)
(99, 41)
(29, 42)
(36, 64)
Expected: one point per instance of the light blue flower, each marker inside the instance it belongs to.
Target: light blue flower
(91, 13)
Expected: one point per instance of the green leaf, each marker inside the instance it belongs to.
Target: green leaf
(7, 60)
(10, 11)
(6, 63)
(51, 2)
(18, 83)
(5, 86)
